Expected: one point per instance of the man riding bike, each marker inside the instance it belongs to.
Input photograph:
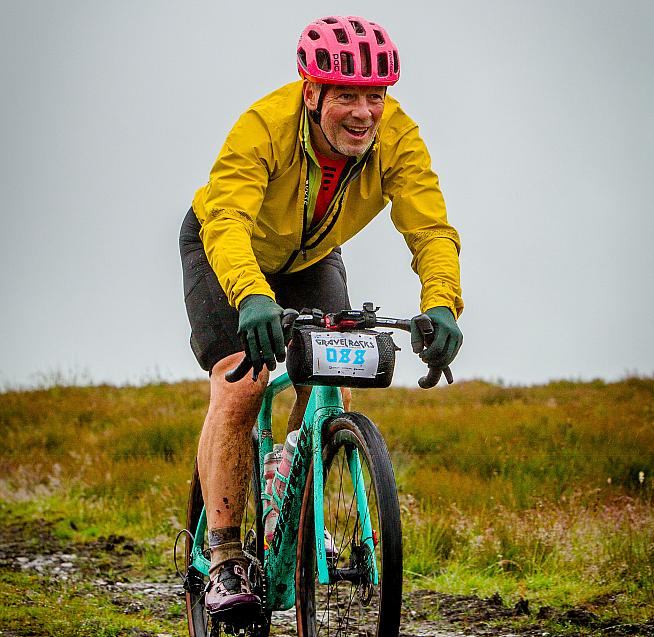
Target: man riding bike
(302, 171)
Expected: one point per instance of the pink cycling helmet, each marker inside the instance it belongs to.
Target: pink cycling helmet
(347, 50)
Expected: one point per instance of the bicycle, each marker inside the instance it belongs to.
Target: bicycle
(340, 486)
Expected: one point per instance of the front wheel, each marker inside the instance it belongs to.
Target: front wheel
(364, 596)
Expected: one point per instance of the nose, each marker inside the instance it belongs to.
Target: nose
(361, 108)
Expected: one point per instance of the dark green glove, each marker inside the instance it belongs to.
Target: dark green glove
(260, 329)
(440, 351)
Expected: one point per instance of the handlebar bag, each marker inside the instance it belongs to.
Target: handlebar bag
(362, 358)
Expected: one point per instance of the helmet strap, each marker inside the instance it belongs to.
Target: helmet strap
(316, 116)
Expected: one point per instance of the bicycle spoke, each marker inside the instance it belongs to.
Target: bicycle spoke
(346, 609)
(351, 604)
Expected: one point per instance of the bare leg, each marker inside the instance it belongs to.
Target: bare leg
(302, 393)
(225, 452)
(224, 464)
(346, 394)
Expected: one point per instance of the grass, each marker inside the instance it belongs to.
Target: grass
(538, 492)
(68, 609)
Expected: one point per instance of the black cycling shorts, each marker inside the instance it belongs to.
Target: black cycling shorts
(214, 322)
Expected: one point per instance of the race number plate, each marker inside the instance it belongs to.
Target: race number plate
(345, 354)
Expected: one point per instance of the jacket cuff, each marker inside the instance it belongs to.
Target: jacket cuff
(438, 294)
(255, 288)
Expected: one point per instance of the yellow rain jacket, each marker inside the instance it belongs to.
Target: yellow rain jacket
(255, 211)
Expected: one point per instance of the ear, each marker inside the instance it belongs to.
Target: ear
(310, 93)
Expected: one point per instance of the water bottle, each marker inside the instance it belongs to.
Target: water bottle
(270, 463)
(284, 468)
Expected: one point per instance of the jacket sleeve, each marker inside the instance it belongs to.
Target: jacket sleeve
(418, 212)
(228, 205)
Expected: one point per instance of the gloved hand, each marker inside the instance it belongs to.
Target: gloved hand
(440, 351)
(260, 329)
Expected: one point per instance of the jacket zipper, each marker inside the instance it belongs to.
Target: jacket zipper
(304, 245)
(294, 254)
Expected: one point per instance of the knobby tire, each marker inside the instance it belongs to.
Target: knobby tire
(345, 608)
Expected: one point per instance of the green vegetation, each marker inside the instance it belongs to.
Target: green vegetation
(543, 493)
(70, 609)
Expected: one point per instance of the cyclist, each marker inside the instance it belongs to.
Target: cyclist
(303, 170)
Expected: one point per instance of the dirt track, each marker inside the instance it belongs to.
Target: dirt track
(107, 563)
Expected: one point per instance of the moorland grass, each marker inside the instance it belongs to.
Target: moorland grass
(541, 492)
(72, 609)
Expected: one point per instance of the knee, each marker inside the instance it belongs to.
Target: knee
(244, 396)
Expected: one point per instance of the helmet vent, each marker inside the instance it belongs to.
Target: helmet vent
(382, 64)
(347, 51)
(358, 29)
(322, 60)
(341, 36)
(364, 51)
(347, 63)
(302, 57)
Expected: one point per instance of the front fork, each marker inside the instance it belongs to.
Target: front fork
(330, 395)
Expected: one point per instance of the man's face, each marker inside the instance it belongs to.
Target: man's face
(350, 118)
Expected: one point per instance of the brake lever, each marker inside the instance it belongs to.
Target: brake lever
(434, 375)
(239, 371)
(426, 327)
(288, 318)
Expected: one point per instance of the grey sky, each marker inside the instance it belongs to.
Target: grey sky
(538, 116)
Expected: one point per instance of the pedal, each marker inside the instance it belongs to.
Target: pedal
(252, 626)
(193, 581)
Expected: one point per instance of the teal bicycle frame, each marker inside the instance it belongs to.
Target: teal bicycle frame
(280, 558)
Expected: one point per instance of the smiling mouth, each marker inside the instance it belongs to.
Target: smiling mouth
(356, 132)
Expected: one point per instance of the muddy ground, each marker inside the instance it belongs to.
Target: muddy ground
(109, 564)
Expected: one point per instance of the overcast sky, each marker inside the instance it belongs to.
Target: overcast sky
(538, 115)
